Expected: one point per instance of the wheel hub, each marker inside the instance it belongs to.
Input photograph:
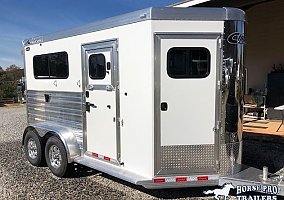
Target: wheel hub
(55, 156)
(32, 148)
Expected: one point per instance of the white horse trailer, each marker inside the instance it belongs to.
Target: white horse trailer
(153, 97)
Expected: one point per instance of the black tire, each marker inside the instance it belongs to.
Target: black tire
(34, 149)
(54, 144)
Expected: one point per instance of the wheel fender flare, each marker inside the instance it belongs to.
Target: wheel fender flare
(65, 134)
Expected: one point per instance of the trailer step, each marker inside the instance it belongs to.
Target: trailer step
(149, 183)
(111, 169)
(253, 177)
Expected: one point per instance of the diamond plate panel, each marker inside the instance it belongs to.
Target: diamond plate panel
(230, 157)
(187, 157)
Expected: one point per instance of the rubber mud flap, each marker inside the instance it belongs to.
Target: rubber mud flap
(231, 121)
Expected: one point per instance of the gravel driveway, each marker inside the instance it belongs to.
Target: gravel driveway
(20, 180)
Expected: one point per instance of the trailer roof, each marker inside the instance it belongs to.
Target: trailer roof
(165, 13)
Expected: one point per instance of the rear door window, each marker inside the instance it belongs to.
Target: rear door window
(188, 62)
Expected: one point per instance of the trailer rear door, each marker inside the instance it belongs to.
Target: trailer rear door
(186, 105)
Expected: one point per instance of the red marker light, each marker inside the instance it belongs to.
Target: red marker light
(106, 158)
(159, 180)
(202, 178)
(181, 179)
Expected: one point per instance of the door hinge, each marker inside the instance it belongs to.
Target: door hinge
(220, 43)
(120, 122)
(217, 164)
(219, 87)
(217, 127)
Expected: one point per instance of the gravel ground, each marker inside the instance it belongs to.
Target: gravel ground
(20, 180)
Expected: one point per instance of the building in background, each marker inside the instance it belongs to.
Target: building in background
(264, 56)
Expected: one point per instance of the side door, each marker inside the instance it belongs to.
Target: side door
(186, 103)
(102, 139)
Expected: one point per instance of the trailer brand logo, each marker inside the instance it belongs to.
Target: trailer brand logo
(219, 193)
(269, 192)
(236, 38)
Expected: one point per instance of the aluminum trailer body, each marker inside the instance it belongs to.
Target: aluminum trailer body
(153, 97)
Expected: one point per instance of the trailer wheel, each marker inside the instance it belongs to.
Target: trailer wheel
(33, 148)
(56, 157)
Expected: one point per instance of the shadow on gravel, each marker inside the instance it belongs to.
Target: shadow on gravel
(263, 150)
(83, 171)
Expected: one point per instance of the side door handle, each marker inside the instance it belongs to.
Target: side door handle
(164, 106)
(89, 105)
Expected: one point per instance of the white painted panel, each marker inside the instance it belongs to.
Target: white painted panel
(190, 117)
(101, 120)
(72, 46)
(136, 61)
(101, 126)
(75, 73)
(136, 79)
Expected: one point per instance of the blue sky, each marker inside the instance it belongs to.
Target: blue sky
(21, 19)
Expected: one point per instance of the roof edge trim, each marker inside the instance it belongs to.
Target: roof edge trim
(164, 13)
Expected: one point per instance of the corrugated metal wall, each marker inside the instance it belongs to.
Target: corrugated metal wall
(61, 108)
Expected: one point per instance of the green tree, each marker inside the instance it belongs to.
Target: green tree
(8, 81)
(8, 89)
(1, 71)
(14, 73)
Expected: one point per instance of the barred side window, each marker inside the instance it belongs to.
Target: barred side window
(51, 66)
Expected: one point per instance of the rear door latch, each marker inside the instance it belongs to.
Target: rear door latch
(164, 106)
(89, 105)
